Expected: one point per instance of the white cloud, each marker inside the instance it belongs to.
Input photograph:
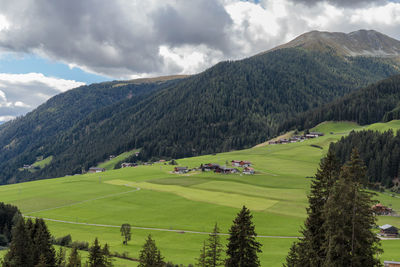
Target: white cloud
(20, 93)
(6, 118)
(148, 38)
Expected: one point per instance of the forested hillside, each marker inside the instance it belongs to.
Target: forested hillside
(26, 138)
(379, 151)
(233, 105)
(378, 102)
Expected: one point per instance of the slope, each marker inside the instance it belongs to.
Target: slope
(178, 210)
(233, 105)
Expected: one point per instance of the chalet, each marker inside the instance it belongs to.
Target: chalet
(128, 164)
(388, 230)
(137, 154)
(112, 157)
(391, 263)
(283, 141)
(248, 170)
(272, 142)
(379, 209)
(181, 170)
(27, 166)
(226, 170)
(96, 170)
(209, 167)
(236, 163)
(245, 164)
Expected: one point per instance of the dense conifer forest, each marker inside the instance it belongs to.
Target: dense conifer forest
(377, 102)
(233, 105)
(379, 151)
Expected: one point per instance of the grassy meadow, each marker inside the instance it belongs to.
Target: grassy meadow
(178, 210)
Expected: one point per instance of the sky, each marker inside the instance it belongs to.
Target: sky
(48, 47)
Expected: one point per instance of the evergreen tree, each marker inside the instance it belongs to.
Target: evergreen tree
(60, 258)
(243, 247)
(20, 251)
(107, 256)
(42, 261)
(213, 255)
(150, 255)
(350, 219)
(42, 243)
(96, 257)
(74, 259)
(201, 260)
(308, 250)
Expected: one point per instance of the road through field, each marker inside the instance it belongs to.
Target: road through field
(151, 229)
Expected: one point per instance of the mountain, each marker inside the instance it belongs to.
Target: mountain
(368, 43)
(375, 103)
(232, 105)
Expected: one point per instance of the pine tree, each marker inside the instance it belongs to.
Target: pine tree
(213, 255)
(308, 250)
(74, 259)
(20, 251)
(96, 258)
(243, 247)
(107, 256)
(42, 243)
(150, 256)
(350, 219)
(60, 258)
(42, 261)
(201, 260)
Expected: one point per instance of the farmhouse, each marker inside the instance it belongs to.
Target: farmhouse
(209, 167)
(248, 170)
(181, 170)
(388, 230)
(27, 166)
(96, 170)
(241, 163)
(128, 164)
(391, 263)
(379, 209)
(226, 170)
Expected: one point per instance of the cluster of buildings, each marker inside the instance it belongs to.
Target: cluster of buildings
(246, 165)
(380, 209)
(296, 138)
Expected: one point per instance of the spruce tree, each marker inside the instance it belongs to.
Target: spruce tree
(107, 256)
(96, 258)
(74, 259)
(20, 251)
(201, 260)
(242, 247)
(42, 243)
(350, 220)
(150, 255)
(308, 250)
(213, 255)
(60, 257)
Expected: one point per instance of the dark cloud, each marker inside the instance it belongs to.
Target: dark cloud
(114, 38)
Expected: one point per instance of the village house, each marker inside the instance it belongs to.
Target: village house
(226, 170)
(248, 170)
(388, 230)
(181, 170)
(241, 163)
(209, 167)
(128, 164)
(96, 170)
(391, 263)
(27, 166)
(379, 209)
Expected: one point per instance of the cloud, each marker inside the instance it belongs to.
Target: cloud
(20, 93)
(123, 38)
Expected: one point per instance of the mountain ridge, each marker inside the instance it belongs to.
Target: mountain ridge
(232, 105)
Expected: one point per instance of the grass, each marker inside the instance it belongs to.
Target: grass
(43, 163)
(110, 164)
(276, 194)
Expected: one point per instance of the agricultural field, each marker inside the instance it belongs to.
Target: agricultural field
(178, 210)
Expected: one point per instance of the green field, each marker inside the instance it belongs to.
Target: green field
(178, 210)
(110, 164)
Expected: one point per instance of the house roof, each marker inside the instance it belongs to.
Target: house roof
(386, 226)
(181, 168)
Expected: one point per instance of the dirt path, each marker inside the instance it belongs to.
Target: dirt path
(151, 229)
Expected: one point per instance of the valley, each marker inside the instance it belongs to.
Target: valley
(180, 209)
